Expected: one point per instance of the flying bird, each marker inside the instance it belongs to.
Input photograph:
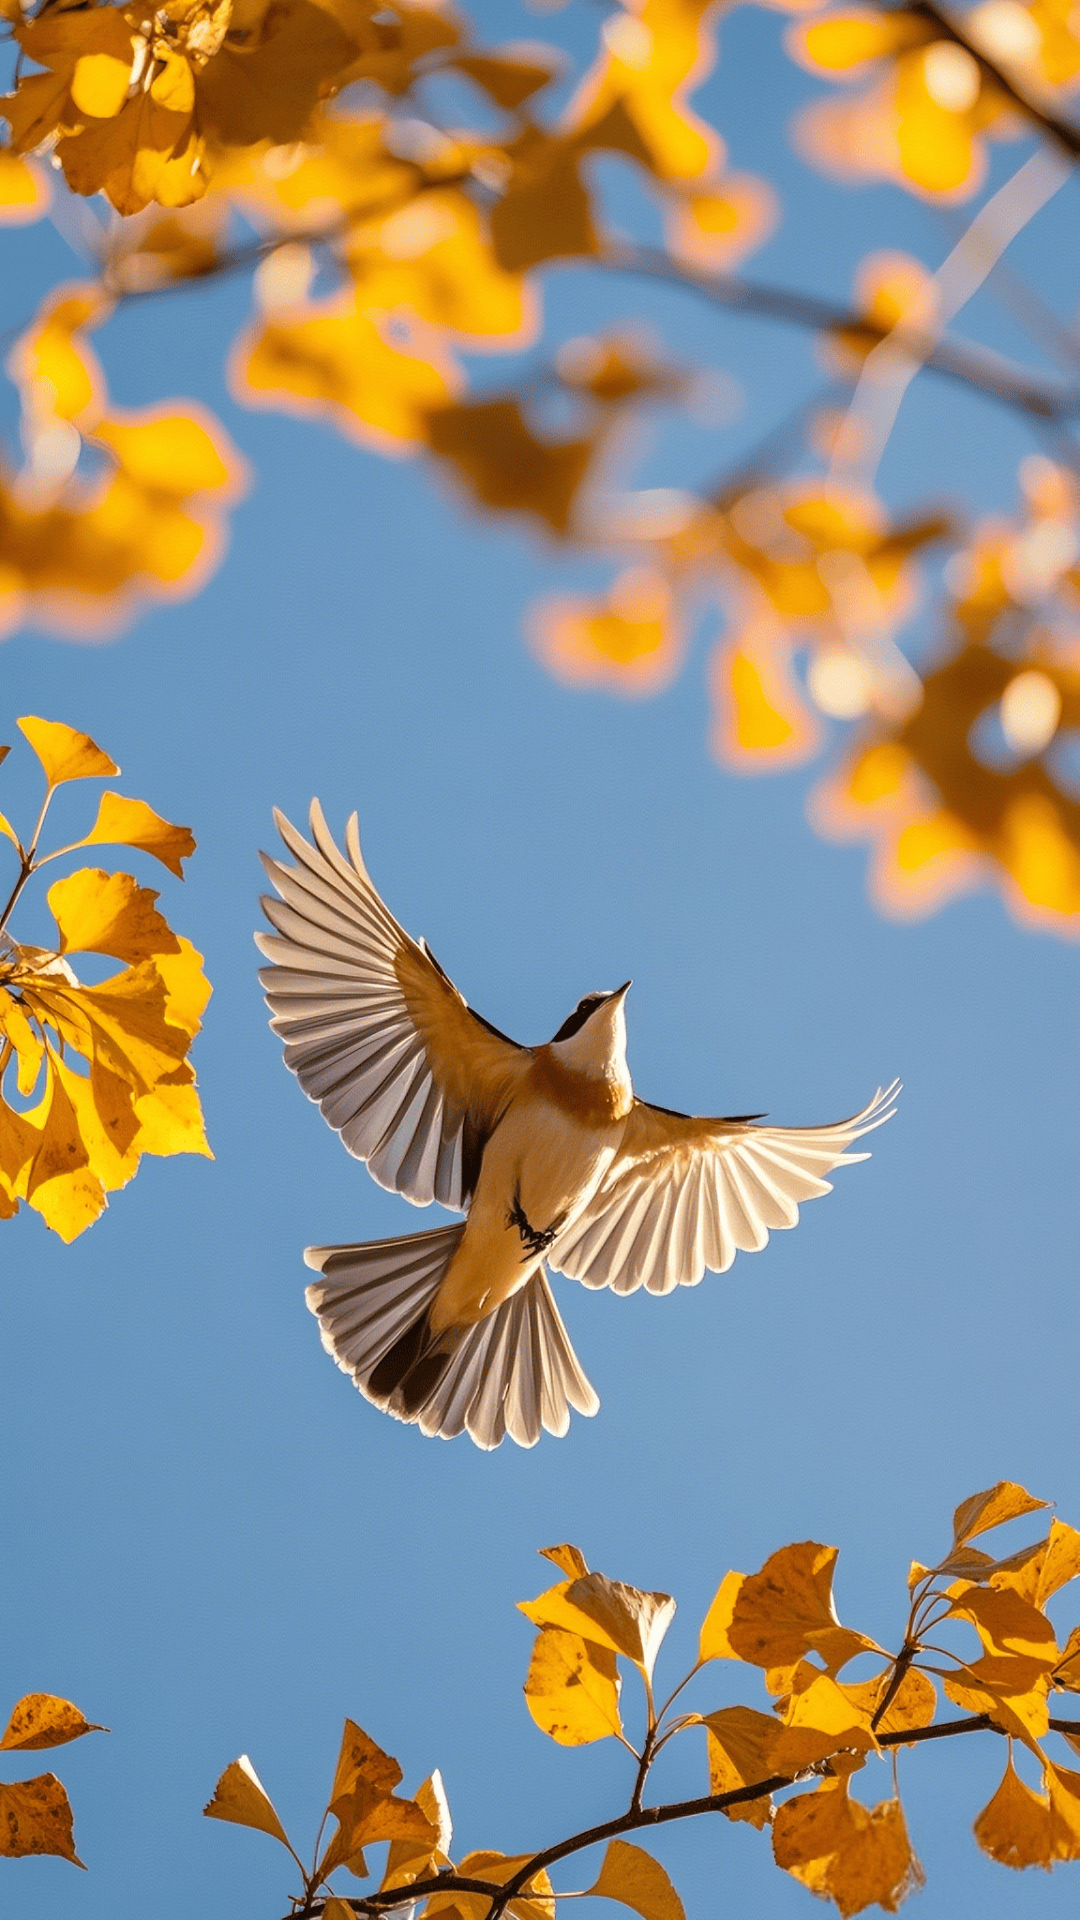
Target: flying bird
(547, 1151)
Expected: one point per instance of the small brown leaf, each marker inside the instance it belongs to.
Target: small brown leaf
(241, 1797)
(35, 1817)
(44, 1720)
(632, 1876)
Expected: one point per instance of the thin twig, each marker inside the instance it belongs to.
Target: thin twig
(964, 362)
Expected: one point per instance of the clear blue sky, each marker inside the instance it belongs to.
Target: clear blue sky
(212, 1543)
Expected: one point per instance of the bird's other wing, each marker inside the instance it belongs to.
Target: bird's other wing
(375, 1032)
(683, 1195)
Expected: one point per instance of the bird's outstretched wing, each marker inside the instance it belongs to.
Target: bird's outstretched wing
(684, 1194)
(410, 1077)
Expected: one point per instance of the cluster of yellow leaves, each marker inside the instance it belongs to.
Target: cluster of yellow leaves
(365, 1810)
(922, 119)
(82, 553)
(35, 1815)
(783, 1620)
(943, 815)
(104, 1066)
(821, 1730)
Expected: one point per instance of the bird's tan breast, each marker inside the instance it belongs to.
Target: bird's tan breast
(590, 1101)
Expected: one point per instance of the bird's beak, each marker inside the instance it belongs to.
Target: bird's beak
(623, 990)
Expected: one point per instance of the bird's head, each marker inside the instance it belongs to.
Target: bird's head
(593, 1039)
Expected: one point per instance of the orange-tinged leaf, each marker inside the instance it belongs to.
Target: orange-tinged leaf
(1004, 1501)
(714, 1643)
(787, 1610)
(175, 454)
(1012, 1691)
(411, 1860)
(170, 1121)
(35, 1817)
(26, 1040)
(1005, 1622)
(633, 1877)
(363, 1804)
(533, 1903)
(504, 464)
(913, 1704)
(131, 823)
(187, 989)
(44, 1720)
(99, 912)
(572, 1688)
(1014, 1827)
(844, 1851)
(359, 1758)
(1064, 1789)
(1067, 1671)
(569, 1559)
(335, 1908)
(7, 829)
(741, 1745)
(1040, 1571)
(616, 1616)
(241, 1797)
(64, 752)
(62, 1185)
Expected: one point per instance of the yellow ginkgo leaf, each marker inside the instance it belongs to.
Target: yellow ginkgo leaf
(981, 1511)
(787, 1610)
(714, 1643)
(616, 1616)
(64, 752)
(44, 1720)
(35, 1817)
(572, 1688)
(741, 1746)
(241, 1797)
(1015, 1826)
(857, 1856)
(110, 913)
(411, 1860)
(569, 1559)
(131, 823)
(633, 1877)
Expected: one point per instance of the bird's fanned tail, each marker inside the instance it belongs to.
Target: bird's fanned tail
(514, 1372)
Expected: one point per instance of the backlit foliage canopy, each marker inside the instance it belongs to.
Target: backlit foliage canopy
(399, 192)
(835, 1705)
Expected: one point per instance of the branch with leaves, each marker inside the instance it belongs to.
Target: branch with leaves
(788, 1771)
(100, 1070)
(35, 1815)
(399, 192)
